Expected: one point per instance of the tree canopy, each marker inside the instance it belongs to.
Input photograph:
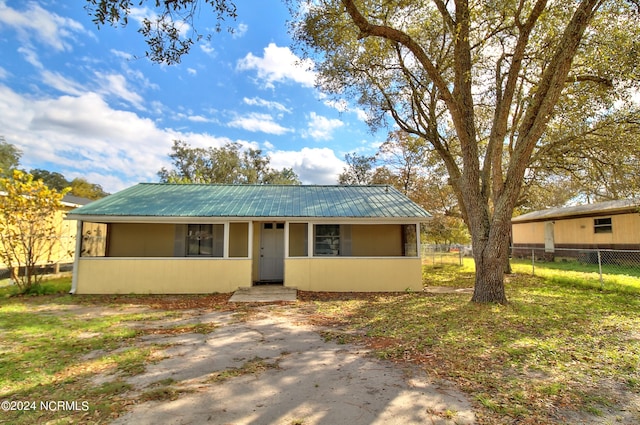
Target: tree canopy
(9, 158)
(163, 30)
(406, 162)
(228, 164)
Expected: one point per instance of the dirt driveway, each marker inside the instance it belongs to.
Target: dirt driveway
(271, 368)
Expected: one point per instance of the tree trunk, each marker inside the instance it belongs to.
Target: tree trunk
(490, 238)
(489, 285)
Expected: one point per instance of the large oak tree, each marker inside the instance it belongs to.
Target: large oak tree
(480, 81)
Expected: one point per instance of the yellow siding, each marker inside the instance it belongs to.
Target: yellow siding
(161, 275)
(347, 274)
(63, 249)
(376, 240)
(528, 233)
(580, 231)
(238, 241)
(625, 230)
(141, 240)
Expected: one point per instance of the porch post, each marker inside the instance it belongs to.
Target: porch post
(250, 242)
(286, 239)
(76, 257)
(309, 239)
(225, 245)
(418, 247)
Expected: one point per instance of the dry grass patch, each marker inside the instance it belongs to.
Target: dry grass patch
(554, 354)
(52, 350)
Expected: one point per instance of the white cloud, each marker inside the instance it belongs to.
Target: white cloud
(256, 101)
(362, 115)
(259, 123)
(30, 56)
(83, 136)
(240, 31)
(192, 71)
(122, 55)
(321, 128)
(116, 85)
(313, 165)
(279, 64)
(36, 23)
(340, 105)
(198, 118)
(3, 73)
(62, 84)
(208, 48)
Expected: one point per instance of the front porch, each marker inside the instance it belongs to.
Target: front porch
(264, 293)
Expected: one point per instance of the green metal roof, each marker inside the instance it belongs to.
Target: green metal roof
(203, 200)
(601, 208)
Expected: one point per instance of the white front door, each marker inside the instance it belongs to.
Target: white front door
(272, 252)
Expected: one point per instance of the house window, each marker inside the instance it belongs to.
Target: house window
(602, 225)
(94, 240)
(239, 240)
(410, 240)
(205, 240)
(298, 246)
(327, 239)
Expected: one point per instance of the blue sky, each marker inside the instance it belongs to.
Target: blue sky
(85, 102)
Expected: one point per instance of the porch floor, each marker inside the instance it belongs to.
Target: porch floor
(264, 293)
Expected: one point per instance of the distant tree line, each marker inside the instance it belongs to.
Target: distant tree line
(10, 160)
(229, 164)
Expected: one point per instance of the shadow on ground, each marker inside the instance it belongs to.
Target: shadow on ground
(270, 369)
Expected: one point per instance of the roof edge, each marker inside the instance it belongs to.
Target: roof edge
(196, 220)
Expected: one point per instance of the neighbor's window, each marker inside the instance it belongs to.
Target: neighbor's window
(326, 239)
(602, 225)
(205, 240)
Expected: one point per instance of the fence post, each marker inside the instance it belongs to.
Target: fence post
(533, 262)
(600, 270)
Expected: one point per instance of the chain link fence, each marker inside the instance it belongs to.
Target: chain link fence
(439, 255)
(605, 263)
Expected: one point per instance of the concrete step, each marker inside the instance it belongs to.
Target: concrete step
(264, 293)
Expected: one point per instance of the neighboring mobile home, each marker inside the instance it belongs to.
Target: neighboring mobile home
(195, 238)
(604, 225)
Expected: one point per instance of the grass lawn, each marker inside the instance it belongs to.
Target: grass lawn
(614, 278)
(558, 350)
(49, 355)
(561, 351)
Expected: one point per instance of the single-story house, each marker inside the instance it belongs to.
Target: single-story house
(604, 225)
(198, 238)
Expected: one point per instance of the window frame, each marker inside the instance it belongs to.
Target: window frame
(214, 237)
(603, 225)
(332, 240)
